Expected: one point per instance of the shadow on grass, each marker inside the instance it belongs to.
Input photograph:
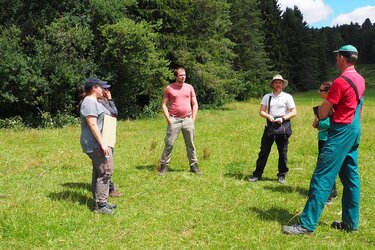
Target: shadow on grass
(242, 177)
(73, 197)
(288, 189)
(237, 176)
(281, 215)
(235, 170)
(77, 185)
(152, 168)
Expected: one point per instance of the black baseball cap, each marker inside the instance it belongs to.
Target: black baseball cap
(93, 81)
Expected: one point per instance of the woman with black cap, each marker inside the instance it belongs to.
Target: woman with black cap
(92, 143)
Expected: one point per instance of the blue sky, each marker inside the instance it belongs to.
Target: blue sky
(322, 13)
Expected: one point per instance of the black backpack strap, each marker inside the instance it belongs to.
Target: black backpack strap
(268, 108)
(351, 83)
(269, 104)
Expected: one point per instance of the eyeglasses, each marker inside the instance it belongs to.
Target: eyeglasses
(323, 90)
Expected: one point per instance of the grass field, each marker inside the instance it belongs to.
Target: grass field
(45, 198)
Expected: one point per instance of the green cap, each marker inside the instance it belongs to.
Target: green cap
(347, 48)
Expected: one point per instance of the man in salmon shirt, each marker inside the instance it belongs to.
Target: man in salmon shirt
(183, 109)
(339, 155)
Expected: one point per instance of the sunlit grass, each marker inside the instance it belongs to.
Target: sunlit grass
(45, 197)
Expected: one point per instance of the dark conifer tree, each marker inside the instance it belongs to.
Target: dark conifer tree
(274, 35)
(251, 58)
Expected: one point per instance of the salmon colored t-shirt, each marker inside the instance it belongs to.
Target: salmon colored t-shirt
(180, 97)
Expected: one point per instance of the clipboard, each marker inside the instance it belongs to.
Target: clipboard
(315, 109)
(109, 130)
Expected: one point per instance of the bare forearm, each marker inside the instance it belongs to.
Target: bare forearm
(166, 113)
(195, 111)
(292, 113)
(325, 109)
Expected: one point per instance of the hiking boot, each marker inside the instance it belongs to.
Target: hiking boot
(295, 230)
(194, 169)
(115, 194)
(254, 179)
(163, 169)
(339, 225)
(281, 179)
(104, 210)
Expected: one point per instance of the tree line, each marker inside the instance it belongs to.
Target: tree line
(230, 48)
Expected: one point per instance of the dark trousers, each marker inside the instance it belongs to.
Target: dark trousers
(265, 149)
(334, 189)
(111, 184)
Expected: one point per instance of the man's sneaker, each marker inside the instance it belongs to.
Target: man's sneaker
(194, 169)
(115, 194)
(104, 210)
(254, 179)
(295, 229)
(163, 169)
(282, 179)
(339, 225)
(329, 201)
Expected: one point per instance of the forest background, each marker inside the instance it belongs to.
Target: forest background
(230, 48)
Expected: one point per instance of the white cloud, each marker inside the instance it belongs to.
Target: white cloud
(358, 15)
(313, 10)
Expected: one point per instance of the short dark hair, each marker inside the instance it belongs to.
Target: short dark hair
(326, 85)
(351, 57)
(175, 72)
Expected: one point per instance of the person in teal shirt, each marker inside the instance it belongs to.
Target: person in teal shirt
(323, 126)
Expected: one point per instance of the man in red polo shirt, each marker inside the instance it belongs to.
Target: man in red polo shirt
(339, 155)
(180, 116)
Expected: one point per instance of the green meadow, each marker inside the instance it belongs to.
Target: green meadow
(46, 203)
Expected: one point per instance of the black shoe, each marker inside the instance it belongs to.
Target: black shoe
(339, 225)
(254, 179)
(194, 169)
(163, 169)
(295, 229)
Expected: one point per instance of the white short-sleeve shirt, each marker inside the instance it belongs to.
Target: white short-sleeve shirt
(280, 104)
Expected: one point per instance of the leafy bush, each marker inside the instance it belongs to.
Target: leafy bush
(138, 68)
(14, 122)
(60, 120)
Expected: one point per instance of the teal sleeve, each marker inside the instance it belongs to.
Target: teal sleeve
(324, 124)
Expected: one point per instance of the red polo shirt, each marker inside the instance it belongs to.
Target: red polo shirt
(343, 96)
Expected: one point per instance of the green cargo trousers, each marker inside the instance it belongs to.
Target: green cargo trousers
(102, 170)
(339, 156)
(186, 125)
